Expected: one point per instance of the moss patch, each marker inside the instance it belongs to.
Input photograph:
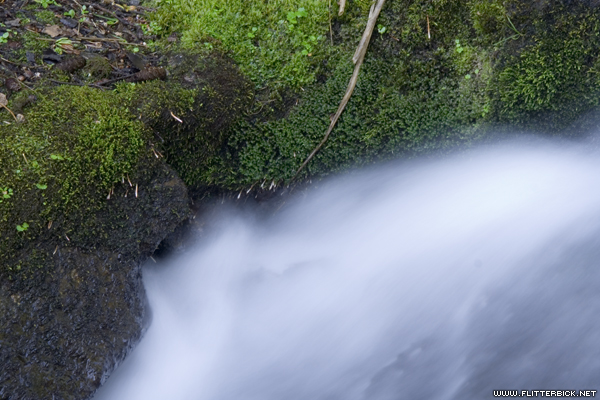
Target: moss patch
(61, 163)
(438, 74)
(275, 42)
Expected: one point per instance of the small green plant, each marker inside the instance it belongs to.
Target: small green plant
(56, 157)
(293, 16)
(459, 49)
(6, 193)
(46, 3)
(4, 37)
(41, 186)
(308, 44)
(23, 227)
(61, 44)
(70, 13)
(152, 28)
(381, 29)
(253, 33)
(109, 20)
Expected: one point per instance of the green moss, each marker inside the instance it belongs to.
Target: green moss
(45, 17)
(279, 43)
(60, 164)
(97, 67)
(193, 111)
(489, 17)
(478, 65)
(33, 44)
(551, 79)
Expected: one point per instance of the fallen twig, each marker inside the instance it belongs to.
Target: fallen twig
(330, 29)
(358, 59)
(342, 6)
(11, 113)
(78, 84)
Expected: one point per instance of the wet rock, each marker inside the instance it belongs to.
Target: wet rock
(72, 312)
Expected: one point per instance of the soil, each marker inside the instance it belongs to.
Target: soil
(34, 38)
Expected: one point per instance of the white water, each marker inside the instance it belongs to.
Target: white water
(431, 280)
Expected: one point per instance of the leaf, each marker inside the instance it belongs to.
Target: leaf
(41, 187)
(23, 227)
(291, 17)
(52, 30)
(56, 157)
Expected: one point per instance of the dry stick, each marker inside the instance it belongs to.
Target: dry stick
(330, 29)
(342, 6)
(428, 30)
(11, 113)
(358, 59)
(116, 80)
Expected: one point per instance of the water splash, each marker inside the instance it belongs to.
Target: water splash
(442, 279)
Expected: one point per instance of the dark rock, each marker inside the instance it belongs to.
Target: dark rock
(12, 84)
(66, 335)
(69, 22)
(63, 332)
(50, 57)
(72, 64)
(30, 57)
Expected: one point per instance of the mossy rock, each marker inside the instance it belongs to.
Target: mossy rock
(438, 75)
(85, 198)
(193, 110)
(97, 67)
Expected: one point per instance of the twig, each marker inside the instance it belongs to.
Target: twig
(10, 62)
(428, 30)
(358, 59)
(116, 79)
(78, 84)
(364, 41)
(342, 6)
(330, 29)
(11, 113)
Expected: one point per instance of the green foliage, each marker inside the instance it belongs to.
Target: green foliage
(193, 115)
(552, 79)
(45, 17)
(4, 37)
(58, 165)
(489, 17)
(45, 3)
(6, 193)
(279, 43)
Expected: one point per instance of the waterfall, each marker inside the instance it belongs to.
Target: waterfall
(430, 279)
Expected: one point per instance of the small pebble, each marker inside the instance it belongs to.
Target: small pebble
(30, 57)
(12, 84)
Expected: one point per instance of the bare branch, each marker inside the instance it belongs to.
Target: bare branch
(342, 6)
(358, 59)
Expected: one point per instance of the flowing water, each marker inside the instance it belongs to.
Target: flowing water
(443, 279)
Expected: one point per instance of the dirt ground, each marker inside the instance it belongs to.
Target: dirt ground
(112, 39)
